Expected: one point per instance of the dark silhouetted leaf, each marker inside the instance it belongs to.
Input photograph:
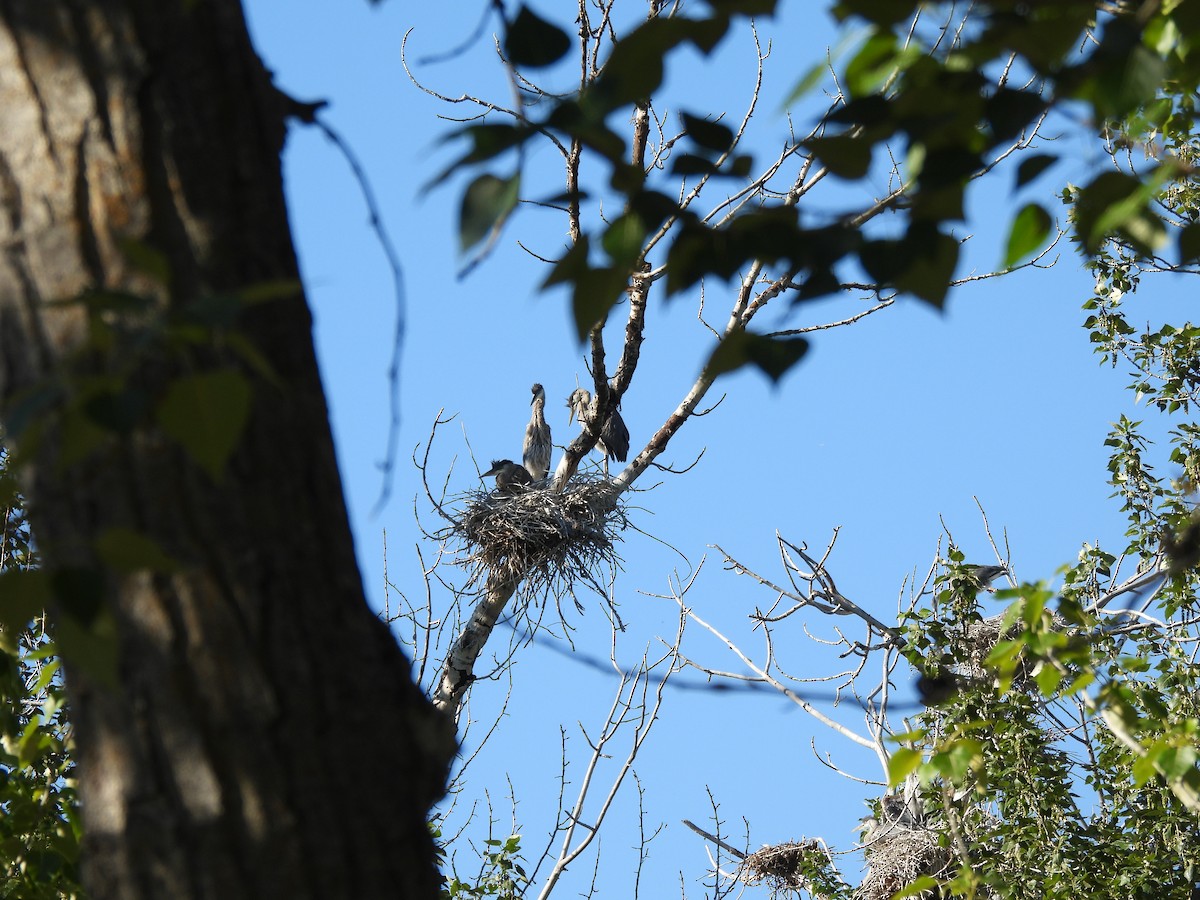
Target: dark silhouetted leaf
(921, 263)
(881, 12)
(871, 111)
(206, 413)
(573, 266)
(1010, 112)
(1122, 74)
(744, 7)
(653, 207)
(585, 119)
(623, 239)
(119, 411)
(595, 290)
(844, 156)
(594, 296)
(487, 142)
(531, 41)
(1119, 203)
(773, 356)
(685, 164)
(486, 203)
(634, 69)
(1028, 233)
(86, 633)
(1033, 166)
(930, 268)
(710, 135)
(1189, 244)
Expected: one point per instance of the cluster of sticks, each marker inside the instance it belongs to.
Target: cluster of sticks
(547, 538)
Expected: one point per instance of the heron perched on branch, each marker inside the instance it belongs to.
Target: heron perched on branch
(613, 441)
(510, 476)
(536, 452)
(985, 575)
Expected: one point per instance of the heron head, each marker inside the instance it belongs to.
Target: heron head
(539, 393)
(577, 403)
(498, 466)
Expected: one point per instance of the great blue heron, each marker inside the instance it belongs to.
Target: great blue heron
(613, 441)
(985, 575)
(536, 452)
(509, 475)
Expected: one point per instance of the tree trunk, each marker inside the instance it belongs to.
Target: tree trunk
(246, 727)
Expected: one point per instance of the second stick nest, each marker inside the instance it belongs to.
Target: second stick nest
(783, 867)
(547, 539)
(896, 858)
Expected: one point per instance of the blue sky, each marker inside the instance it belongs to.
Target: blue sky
(888, 429)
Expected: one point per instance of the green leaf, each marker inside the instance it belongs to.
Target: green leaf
(119, 411)
(921, 263)
(207, 413)
(623, 239)
(808, 81)
(1117, 202)
(146, 259)
(902, 763)
(532, 42)
(1029, 231)
(921, 886)
(486, 204)
(24, 594)
(127, 550)
(92, 645)
(874, 62)
(595, 296)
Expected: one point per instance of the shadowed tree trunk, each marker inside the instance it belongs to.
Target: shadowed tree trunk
(258, 733)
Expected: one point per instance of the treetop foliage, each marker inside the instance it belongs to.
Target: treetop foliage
(950, 107)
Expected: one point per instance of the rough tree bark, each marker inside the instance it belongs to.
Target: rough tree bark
(262, 736)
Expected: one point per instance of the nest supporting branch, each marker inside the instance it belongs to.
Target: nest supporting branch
(542, 539)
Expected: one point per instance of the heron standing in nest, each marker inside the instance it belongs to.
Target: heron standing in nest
(510, 477)
(536, 452)
(613, 441)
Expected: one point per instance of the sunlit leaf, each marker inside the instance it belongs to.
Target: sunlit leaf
(902, 763)
(1028, 233)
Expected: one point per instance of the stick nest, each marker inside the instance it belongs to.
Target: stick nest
(784, 867)
(899, 856)
(548, 540)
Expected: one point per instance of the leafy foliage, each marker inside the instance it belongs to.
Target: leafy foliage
(39, 827)
(909, 91)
